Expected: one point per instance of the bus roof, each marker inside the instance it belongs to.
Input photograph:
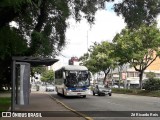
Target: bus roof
(74, 67)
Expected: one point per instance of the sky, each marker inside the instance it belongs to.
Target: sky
(80, 35)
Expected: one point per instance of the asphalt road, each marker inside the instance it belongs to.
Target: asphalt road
(115, 107)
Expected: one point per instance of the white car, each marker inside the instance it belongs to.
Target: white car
(49, 88)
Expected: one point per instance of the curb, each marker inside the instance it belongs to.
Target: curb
(78, 113)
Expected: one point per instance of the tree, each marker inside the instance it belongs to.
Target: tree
(137, 12)
(48, 76)
(10, 43)
(84, 58)
(101, 58)
(139, 47)
(43, 22)
(41, 26)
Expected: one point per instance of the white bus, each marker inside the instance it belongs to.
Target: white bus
(72, 80)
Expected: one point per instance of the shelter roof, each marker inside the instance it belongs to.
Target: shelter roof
(35, 61)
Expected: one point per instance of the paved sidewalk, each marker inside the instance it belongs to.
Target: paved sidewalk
(41, 101)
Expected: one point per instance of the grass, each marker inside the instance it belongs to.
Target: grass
(137, 92)
(5, 103)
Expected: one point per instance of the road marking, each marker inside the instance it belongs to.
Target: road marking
(78, 113)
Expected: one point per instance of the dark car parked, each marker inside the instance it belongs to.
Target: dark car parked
(102, 90)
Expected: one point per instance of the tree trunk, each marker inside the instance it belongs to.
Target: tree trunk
(140, 79)
(105, 76)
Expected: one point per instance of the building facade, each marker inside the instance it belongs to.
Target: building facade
(129, 78)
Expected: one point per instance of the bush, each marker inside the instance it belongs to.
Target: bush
(152, 84)
(137, 92)
(122, 91)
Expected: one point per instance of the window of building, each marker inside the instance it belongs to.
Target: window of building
(130, 74)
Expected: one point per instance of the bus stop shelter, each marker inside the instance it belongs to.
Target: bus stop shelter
(21, 77)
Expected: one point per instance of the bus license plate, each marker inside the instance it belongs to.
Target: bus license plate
(78, 93)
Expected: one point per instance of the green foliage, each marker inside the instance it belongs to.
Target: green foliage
(150, 75)
(137, 12)
(122, 91)
(139, 47)
(13, 3)
(152, 84)
(5, 100)
(40, 27)
(5, 103)
(48, 76)
(137, 92)
(11, 43)
(43, 22)
(101, 58)
(84, 58)
(40, 70)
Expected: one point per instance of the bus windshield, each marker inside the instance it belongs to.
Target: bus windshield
(77, 78)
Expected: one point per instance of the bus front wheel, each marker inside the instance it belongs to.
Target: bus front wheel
(63, 93)
(84, 96)
(57, 91)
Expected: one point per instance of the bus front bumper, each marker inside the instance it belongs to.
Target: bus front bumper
(70, 93)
